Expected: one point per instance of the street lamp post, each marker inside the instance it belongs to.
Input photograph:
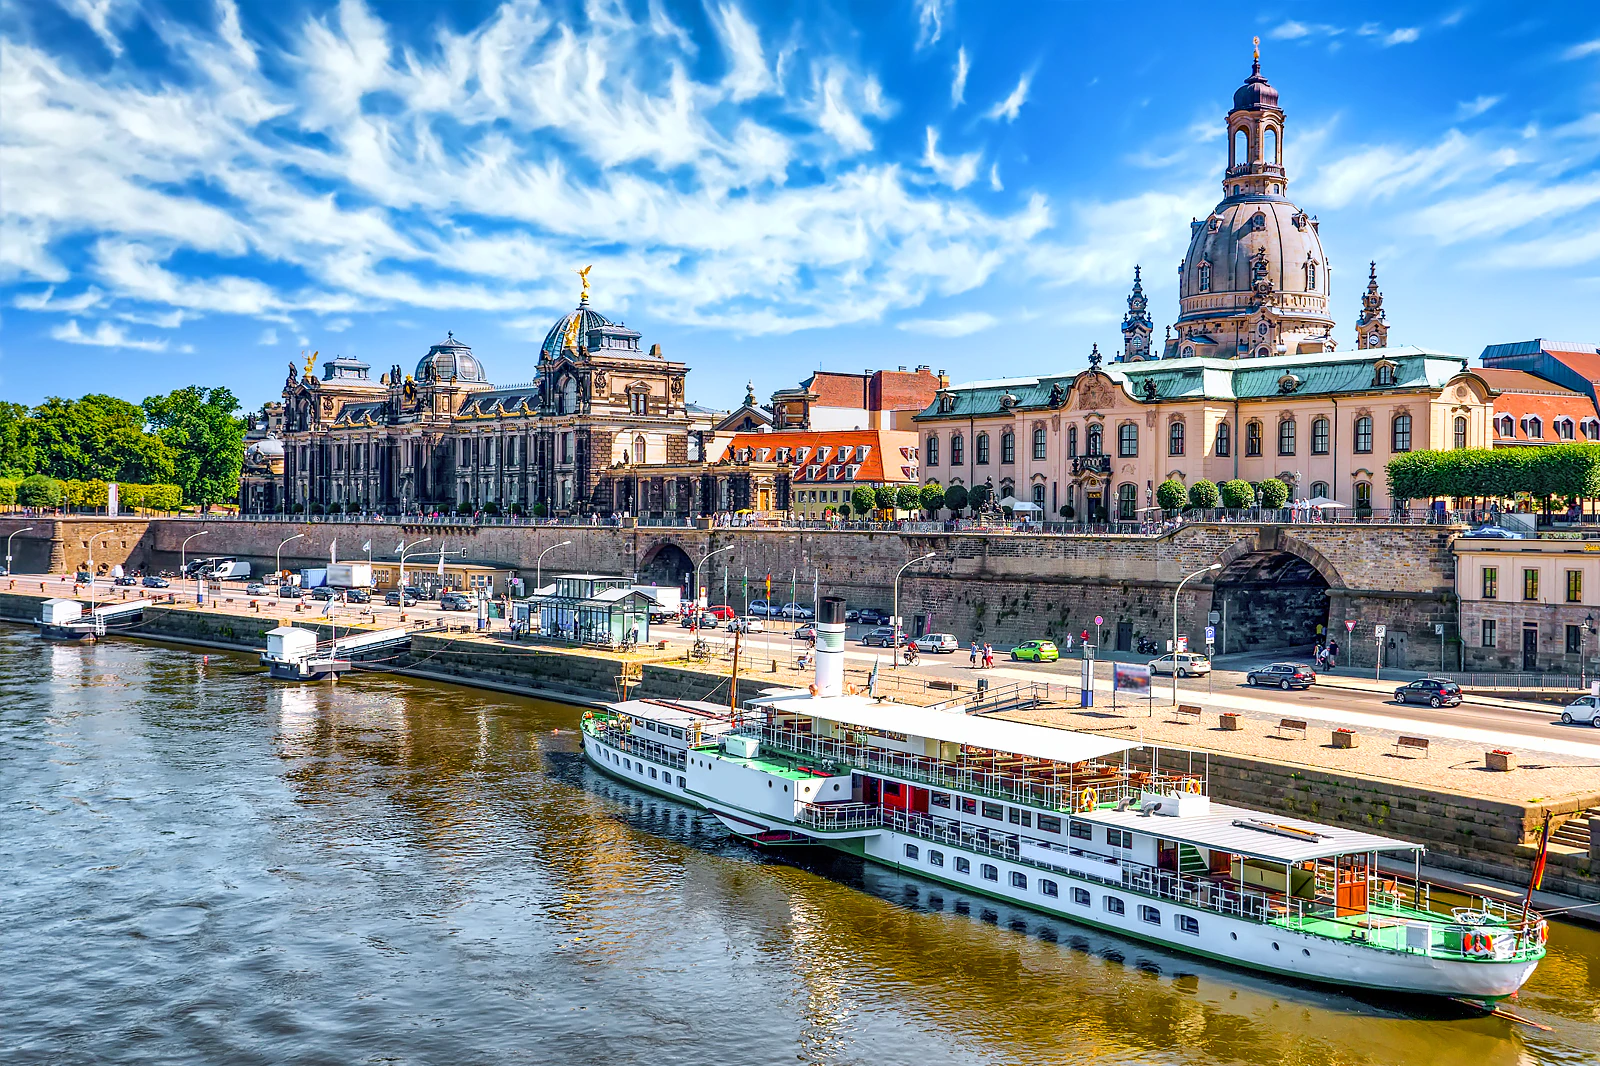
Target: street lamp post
(13, 533)
(1175, 594)
(538, 566)
(182, 551)
(278, 565)
(404, 547)
(894, 620)
(90, 564)
(1588, 627)
(694, 593)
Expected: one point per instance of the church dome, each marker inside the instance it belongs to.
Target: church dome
(450, 360)
(1256, 92)
(563, 335)
(1249, 243)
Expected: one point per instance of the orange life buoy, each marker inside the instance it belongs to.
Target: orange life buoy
(1544, 932)
(1192, 785)
(1086, 800)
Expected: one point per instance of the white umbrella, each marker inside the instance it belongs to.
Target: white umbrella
(1017, 505)
(1322, 501)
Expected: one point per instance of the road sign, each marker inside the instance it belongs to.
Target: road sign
(1183, 643)
(1099, 621)
(1211, 634)
(1349, 626)
(1438, 629)
(1378, 631)
(1214, 617)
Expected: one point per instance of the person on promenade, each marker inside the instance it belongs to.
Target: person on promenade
(972, 657)
(988, 656)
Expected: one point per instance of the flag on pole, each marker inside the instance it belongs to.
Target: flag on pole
(441, 562)
(367, 546)
(1544, 855)
(333, 551)
(872, 679)
(398, 548)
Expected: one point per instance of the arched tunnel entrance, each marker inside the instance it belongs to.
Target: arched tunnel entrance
(667, 565)
(1267, 600)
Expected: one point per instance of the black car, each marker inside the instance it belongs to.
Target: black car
(1282, 675)
(454, 601)
(154, 582)
(871, 616)
(126, 581)
(852, 615)
(393, 597)
(83, 577)
(290, 592)
(1434, 691)
(323, 592)
(357, 596)
(882, 637)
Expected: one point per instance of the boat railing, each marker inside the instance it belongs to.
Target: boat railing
(835, 816)
(619, 738)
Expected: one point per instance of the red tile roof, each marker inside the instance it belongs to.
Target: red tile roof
(887, 450)
(1522, 406)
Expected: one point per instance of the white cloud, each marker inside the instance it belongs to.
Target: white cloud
(159, 319)
(748, 75)
(1582, 49)
(961, 325)
(46, 301)
(958, 87)
(105, 336)
(1405, 35)
(269, 336)
(1473, 108)
(337, 325)
(957, 173)
(1294, 30)
(1008, 108)
(96, 14)
(994, 177)
(930, 21)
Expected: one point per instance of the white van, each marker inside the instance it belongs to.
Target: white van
(231, 570)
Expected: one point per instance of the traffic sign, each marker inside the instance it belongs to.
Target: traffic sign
(1211, 634)
(1378, 631)
(1099, 621)
(1438, 629)
(1349, 626)
(1214, 617)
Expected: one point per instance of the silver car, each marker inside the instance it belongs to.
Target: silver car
(940, 643)
(1188, 664)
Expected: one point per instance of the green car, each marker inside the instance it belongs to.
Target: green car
(1040, 651)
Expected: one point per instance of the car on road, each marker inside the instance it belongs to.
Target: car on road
(760, 608)
(154, 582)
(1282, 675)
(806, 632)
(747, 624)
(455, 601)
(722, 612)
(4, 571)
(1495, 533)
(398, 598)
(256, 588)
(290, 592)
(126, 581)
(1189, 664)
(794, 610)
(871, 616)
(357, 596)
(1038, 651)
(323, 592)
(83, 577)
(940, 643)
(1584, 709)
(1434, 691)
(881, 637)
(852, 615)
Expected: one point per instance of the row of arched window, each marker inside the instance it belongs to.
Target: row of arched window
(980, 443)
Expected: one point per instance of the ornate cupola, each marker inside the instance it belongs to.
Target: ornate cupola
(1137, 328)
(1255, 138)
(1372, 328)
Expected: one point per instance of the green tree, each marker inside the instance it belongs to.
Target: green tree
(8, 491)
(955, 498)
(37, 490)
(205, 438)
(863, 500)
(1236, 494)
(1171, 495)
(884, 497)
(843, 510)
(907, 498)
(1203, 494)
(979, 496)
(18, 456)
(97, 437)
(1274, 494)
(931, 497)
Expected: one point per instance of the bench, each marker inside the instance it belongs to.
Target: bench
(1416, 744)
(1292, 725)
(1188, 712)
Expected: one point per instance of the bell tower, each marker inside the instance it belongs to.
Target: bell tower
(1255, 139)
(1372, 328)
(1137, 328)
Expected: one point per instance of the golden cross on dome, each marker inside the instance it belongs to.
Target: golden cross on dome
(1255, 43)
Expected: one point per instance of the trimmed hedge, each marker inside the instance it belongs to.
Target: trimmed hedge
(1556, 470)
(37, 490)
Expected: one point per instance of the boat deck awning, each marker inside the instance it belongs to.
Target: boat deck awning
(952, 727)
(675, 712)
(1251, 834)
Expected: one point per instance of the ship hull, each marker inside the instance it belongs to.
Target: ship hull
(647, 774)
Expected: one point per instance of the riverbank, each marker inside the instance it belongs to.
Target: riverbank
(1476, 823)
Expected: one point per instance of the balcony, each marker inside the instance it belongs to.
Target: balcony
(1091, 464)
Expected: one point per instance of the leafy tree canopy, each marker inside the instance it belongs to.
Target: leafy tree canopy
(1274, 494)
(18, 457)
(1203, 494)
(863, 500)
(907, 498)
(97, 438)
(1237, 494)
(955, 497)
(1171, 495)
(931, 496)
(205, 439)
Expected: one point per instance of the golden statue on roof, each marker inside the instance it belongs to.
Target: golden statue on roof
(584, 274)
(310, 362)
(1255, 44)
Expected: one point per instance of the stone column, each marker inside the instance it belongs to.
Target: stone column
(58, 549)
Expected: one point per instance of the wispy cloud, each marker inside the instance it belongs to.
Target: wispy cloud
(105, 336)
(930, 21)
(748, 75)
(994, 177)
(1009, 107)
(46, 301)
(958, 87)
(961, 325)
(1294, 30)
(957, 172)
(269, 336)
(96, 14)
(1582, 49)
(1473, 108)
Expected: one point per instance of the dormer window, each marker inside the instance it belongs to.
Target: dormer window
(823, 453)
(1565, 429)
(783, 455)
(845, 453)
(802, 454)
(864, 450)
(764, 454)
(1533, 427)
(1385, 374)
(1591, 428)
(1505, 427)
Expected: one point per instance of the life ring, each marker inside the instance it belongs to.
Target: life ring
(1086, 800)
(1192, 785)
(1544, 932)
(1479, 944)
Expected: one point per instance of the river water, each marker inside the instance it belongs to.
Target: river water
(200, 866)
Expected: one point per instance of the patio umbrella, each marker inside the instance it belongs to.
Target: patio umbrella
(1323, 501)
(1018, 505)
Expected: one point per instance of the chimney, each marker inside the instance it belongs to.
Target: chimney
(830, 646)
(944, 380)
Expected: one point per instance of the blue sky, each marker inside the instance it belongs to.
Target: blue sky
(197, 192)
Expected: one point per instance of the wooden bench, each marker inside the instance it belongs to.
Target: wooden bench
(1292, 725)
(1416, 744)
(1188, 712)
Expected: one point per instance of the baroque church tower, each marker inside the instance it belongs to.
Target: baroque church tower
(1137, 328)
(1372, 328)
(1255, 280)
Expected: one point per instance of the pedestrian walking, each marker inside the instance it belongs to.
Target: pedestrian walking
(1333, 654)
(988, 656)
(972, 658)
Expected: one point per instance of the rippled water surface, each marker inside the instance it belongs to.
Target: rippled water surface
(200, 866)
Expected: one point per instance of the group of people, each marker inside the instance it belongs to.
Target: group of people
(1326, 655)
(980, 656)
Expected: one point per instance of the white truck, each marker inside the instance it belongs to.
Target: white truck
(664, 602)
(230, 570)
(350, 575)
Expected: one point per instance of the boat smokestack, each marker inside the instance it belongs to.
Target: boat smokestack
(830, 646)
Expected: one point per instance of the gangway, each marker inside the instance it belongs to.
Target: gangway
(62, 619)
(295, 654)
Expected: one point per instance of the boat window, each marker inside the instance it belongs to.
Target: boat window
(911, 851)
(627, 764)
(1080, 896)
(963, 866)
(1020, 817)
(935, 858)
(651, 726)
(995, 811)
(1081, 830)
(1188, 924)
(682, 783)
(652, 771)
(1115, 906)
(1049, 823)
(1119, 838)
(1048, 887)
(1019, 879)
(1151, 915)
(939, 799)
(990, 873)
(891, 788)
(640, 771)
(968, 806)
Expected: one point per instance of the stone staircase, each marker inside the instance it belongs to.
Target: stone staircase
(1574, 832)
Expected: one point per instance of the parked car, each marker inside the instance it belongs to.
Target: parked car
(323, 592)
(1039, 651)
(721, 612)
(4, 570)
(852, 615)
(1189, 664)
(1282, 675)
(357, 596)
(882, 637)
(290, 592)
(126, 581)
(1583, 709)
(941, 643)
(455, 601)
(1434, 691)
(154, 582)
(871, 616)
(399, 598)
(747, 624)
(1496, 533)
(83, 577)
(806, 632)
(256, 588)
(760, 608)
(794, 610)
